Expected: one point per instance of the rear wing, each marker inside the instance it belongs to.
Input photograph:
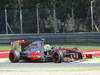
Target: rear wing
(19, 45)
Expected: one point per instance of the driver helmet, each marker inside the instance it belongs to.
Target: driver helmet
(47, 47)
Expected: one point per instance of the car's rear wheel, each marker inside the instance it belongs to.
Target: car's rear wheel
(57, 57)
(14, 56)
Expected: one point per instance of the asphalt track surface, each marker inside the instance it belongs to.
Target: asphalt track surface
(48, 65)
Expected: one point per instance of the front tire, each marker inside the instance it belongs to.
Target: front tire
(80, 55)
(57, 57)
(14, 56)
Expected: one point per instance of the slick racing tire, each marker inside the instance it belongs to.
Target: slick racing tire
(80, 55)
(14, 56)
(57, 56)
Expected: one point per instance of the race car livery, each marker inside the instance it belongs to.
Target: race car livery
(38, 50)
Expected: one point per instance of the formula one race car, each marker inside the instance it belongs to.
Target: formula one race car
(38, 50)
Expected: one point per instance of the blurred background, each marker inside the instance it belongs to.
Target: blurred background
(49, 16)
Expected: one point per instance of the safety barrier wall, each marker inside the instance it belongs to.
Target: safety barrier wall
(56, 38)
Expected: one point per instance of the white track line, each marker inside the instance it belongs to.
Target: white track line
(4, 60)
(3, 52)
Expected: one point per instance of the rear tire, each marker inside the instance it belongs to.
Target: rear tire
(14, 56)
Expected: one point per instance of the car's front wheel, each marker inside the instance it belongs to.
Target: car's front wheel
(57, 56)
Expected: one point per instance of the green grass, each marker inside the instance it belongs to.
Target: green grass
(94, 59)
(4, 47)
(85, 47)
(47, 69)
